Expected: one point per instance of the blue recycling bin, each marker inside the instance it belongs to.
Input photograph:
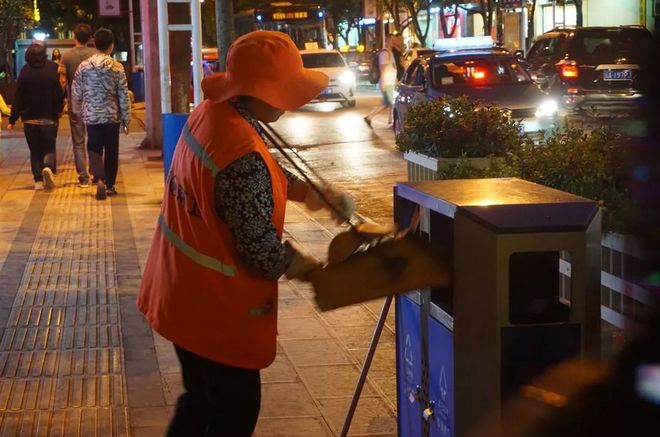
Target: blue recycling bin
(172, 127)
(524, 296)
(137, 83)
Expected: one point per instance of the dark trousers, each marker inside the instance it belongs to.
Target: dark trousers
(103, 149)
(41, 141)
(219, 401)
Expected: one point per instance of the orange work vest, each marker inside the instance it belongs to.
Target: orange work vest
(195, 291)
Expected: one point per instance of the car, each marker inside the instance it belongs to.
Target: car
(341, 87)
(359, 63)
(592, 70)
(414, 53)
(492, 76)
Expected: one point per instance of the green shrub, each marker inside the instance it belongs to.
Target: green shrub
(595, 165)
(454, 127)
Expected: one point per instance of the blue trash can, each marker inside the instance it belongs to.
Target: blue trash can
(172, 127)
(137, 83)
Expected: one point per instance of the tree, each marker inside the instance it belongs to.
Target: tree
(530, 22)
(414, 8)
(453, 6)
(578, 12)
(57, 17)
(224, 15)
(394, 8)
(14, 16)
(488, 11)
(345, 16)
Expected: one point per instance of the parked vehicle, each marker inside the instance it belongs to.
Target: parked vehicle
(414, 53)
(359, 63)
(591, 69)
(341, 87)
(492, 76)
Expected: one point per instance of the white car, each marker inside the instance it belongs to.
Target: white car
(341, 87)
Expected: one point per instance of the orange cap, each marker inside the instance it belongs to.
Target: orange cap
(266, 65)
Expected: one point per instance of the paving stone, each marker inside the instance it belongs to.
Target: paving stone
(315, 352)
(289, 399)
(372, 416)
(354, 315)
(294, 307)
(301, 328)
(143, 417)
(354, 337)
(383, 363)
(292, 427)
(280, 371)
(334, 380)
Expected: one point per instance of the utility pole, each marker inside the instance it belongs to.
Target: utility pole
(151, 62)
(180, 56)
(224, 19)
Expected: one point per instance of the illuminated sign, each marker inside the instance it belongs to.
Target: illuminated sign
(294, 15)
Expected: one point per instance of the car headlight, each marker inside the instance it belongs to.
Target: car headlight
(546, 109)
(347, 78)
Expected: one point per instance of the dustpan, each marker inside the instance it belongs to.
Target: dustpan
(397, 265)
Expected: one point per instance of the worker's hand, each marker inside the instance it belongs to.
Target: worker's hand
(341, 207)
(302, 263)
(10, 127)
(125, 127)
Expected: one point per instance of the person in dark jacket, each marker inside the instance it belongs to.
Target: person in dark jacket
(39, 102)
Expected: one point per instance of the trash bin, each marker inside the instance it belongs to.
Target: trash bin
(172, 127)
(137, 83)
(524, 296)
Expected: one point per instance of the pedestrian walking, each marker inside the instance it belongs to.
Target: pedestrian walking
(71, 59)
(4, 110)
(386, 82)
(100, 95)
(39, 103)
(210, 280)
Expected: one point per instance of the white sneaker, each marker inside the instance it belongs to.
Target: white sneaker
(38, 186)
(49, 178)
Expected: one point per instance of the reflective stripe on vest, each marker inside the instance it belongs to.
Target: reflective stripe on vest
(198, 150)
(187, 250)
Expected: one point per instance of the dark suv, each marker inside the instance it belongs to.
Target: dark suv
(595, 70)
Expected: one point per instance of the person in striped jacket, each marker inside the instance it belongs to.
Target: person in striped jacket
(99, 94)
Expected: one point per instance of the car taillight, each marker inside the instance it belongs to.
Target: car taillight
(479, 74)
(568, 69)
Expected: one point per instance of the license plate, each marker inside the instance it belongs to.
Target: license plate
(623, 74)
(326, 91)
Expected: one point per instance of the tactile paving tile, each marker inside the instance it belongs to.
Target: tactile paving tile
(61, 367)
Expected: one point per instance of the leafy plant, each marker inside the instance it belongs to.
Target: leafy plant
(594, 164)
(453, 127)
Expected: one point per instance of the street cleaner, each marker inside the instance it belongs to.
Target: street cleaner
(210, 280)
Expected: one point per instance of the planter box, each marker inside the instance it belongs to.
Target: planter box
(623, 268)
(425, 168)
(623, 265)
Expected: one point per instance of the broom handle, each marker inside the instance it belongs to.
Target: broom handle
(309, 181)
(367, 364)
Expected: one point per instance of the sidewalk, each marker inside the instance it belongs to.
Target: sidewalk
(77, 358)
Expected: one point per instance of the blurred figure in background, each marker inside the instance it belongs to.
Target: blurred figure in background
(386, 82)
(56, 56)
(39, 102)
(70, 62)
